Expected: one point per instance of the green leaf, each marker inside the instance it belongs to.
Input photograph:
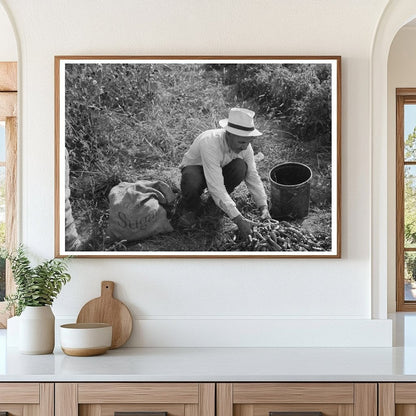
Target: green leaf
(35, 286)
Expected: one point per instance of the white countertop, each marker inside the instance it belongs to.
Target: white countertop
(221, 364)
(215, 364)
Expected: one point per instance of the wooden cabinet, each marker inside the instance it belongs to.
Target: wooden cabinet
(221, 399)
(208, 399)
(267, 399)
(107, 399)
(397, 399)
(27, 399)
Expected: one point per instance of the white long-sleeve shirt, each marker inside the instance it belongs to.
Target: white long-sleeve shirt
(211, 151)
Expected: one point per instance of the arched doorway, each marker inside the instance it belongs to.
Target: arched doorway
(395, 16)
(401, 101)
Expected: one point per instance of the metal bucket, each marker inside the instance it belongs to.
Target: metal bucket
(290, 190)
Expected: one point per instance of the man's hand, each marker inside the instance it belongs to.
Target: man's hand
(264, 213)
(244, 226)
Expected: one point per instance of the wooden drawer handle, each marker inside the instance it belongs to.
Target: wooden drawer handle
(295, 413)
(139, 414)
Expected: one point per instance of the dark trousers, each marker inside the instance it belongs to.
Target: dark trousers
(193, 181)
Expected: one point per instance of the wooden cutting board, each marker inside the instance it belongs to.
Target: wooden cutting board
(111, 311)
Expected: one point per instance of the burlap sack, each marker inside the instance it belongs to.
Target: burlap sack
(136, 211)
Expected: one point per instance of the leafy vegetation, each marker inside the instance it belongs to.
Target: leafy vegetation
(299, 96)
(410, 191)
(35, 285)
(410, 206)
(126, 122)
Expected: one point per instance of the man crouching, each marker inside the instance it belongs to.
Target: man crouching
(220, 159)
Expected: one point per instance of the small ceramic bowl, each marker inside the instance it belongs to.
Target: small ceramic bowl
(84, 340)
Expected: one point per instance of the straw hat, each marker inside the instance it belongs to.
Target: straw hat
(240, 122)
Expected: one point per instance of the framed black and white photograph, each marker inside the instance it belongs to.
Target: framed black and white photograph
(198, 156)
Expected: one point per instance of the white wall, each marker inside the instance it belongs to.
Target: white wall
(401, 74)
(203, 302)
(8, 46)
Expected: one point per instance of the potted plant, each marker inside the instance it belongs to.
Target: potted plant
(36, 289)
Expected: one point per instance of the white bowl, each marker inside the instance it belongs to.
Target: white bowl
(85, 339)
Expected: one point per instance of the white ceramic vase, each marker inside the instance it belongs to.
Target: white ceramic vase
(37, 330)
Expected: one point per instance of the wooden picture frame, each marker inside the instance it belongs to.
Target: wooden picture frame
(405, 166)
(129, 119)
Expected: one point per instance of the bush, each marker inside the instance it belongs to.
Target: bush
(298, 95)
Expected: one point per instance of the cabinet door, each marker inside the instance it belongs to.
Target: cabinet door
(297, 399)
(397, 399)
(26, 399)
(142, 399)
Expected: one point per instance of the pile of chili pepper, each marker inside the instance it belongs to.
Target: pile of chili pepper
(273, 235)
